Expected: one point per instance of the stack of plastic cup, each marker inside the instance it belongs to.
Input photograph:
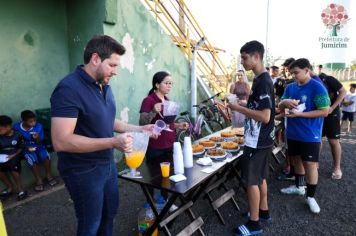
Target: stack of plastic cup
(188, 153)
(178, 158)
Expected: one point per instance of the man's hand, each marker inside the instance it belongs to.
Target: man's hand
(290, 103)
(242, 103)
(9, 157)
(123, 142)
(293, 114)
(147, 128)
(234, 106)
(331, 109)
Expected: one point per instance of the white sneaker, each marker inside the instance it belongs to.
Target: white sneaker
(313, 205)
(293, 190)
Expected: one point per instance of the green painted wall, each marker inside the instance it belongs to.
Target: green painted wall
(85, 19)
(150, 50)
(34, 53)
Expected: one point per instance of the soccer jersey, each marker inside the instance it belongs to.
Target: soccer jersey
(257, 134)
(314, 97)
(10, 144)
(27, 134)
(333, 86)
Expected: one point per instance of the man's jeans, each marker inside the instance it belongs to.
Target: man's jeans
(95, 193)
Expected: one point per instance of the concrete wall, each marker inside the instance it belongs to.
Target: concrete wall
(34, 53)
(149, 50)
(85, 19)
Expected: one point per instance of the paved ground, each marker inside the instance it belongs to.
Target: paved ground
(52, 214)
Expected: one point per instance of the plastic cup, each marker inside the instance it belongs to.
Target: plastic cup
(165, 169)
(232, 98)
(159, 126)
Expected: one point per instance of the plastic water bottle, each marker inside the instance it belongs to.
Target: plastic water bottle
(145, 220)
(160, 203)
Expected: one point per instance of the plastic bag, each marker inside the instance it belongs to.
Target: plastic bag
(237, 119)
(170, 111)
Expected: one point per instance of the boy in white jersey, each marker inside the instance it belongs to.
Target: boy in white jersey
(349, 108)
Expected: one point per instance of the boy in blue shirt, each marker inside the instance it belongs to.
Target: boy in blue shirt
(308, 102)
(35, 152)
(11, 145)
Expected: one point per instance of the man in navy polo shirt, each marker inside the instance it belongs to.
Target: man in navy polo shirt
(83, 121)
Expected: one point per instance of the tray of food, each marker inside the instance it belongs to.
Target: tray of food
(216, 154)
(217, 139)
(230, 146)
(207, 144)
(198, 149)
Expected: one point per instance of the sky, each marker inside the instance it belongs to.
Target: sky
(294, 27)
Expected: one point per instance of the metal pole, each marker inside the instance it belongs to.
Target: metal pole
(267, 25)
(194, 77)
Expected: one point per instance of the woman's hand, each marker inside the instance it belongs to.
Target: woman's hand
(157, 107)
(182, 125)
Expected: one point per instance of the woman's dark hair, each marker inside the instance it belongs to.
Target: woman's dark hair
(5, 121)
(157, 79)
(27, 114)
(104, 46)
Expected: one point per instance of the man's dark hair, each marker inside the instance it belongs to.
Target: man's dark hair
(320, 66)
(288, 61)
(275, 67)
(27, 114)
(5, 121)
(104, 46)
(253, 47)
(301, 63)
(353, 86)
(267, 68)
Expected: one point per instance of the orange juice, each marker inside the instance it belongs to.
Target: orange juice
(165, 169)
(134, 159)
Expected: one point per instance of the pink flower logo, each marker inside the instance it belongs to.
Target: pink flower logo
(334, 17)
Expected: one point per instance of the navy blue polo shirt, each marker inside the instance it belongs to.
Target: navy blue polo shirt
(79, 96)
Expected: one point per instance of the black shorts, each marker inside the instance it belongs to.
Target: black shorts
(12, 165)
(348, 116)
(331, 127)
(306, 150)
(254, 165)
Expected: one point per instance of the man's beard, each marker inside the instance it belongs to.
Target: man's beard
(100, 78)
